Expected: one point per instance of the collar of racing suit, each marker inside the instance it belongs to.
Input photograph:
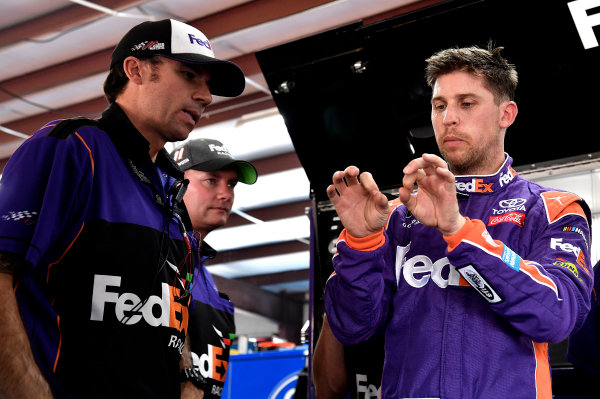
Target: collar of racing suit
(486, 184)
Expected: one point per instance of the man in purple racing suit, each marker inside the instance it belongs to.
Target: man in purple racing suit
(478, 270)
(213, 174)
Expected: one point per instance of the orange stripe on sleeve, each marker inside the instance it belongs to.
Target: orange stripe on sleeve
(59, 344)
(81, 229)
(535, 274)
(474, 232)
(64, 253)
(89, 151)
(543, 380)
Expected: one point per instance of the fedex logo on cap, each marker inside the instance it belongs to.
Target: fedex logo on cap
(220, 149)
(187, 39)
(194, 39)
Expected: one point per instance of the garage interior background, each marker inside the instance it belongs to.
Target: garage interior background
(328, 83)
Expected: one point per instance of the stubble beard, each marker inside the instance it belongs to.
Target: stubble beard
(469, 163)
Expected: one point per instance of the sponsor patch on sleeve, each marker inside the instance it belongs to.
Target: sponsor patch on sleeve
(477, 281)
(511, 258)
(569, 266)
(575, 229)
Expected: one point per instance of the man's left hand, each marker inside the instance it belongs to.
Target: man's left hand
(435, 203)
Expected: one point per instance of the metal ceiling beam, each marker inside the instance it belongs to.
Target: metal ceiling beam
(277, 278)
(275, 212)
(71, 15)
(235, 108)
(277, 163)
(401, 10)
(250, 14)
(246, 15)
(91, 108)
(82, 67)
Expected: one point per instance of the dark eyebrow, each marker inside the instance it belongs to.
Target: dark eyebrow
(459, 97)
(463, 96)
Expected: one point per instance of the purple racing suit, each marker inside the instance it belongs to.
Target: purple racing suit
(469, 315)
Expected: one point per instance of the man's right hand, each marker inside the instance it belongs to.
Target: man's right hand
(362, 208)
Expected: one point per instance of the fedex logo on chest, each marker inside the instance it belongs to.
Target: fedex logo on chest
(129, 308)
(474, 186)
(418, 270)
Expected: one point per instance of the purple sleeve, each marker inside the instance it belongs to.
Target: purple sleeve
(43, 192)
(358, 295)
(545, 292)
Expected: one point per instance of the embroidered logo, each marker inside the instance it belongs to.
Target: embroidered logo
(480, 284)
(178, 154)
(148, 45)
(475, 186)
(510, 205)
(27, 217)
(517, 218)
(577, 230)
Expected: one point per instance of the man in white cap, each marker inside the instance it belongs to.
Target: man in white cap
(212, 173)
(95, 252)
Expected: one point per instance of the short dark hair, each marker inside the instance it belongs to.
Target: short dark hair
(117, 79)
(500, 76)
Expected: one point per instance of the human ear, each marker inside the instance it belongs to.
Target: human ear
(509, 113)
(132, 67)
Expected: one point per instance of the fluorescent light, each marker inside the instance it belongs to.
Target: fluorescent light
(273, 189)
(250, 140)
(250, 235)
(264, 265)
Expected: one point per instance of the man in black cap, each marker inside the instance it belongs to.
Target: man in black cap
(212, 173)
(97, 252)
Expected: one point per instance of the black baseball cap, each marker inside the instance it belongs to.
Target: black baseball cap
(210, 155)
(181, 42)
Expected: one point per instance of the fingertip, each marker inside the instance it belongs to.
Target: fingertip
(331, 191)
(403, 194)
(352, 170)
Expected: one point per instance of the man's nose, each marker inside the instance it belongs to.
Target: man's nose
(450, 115)
(225, 191)
(202, 94)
